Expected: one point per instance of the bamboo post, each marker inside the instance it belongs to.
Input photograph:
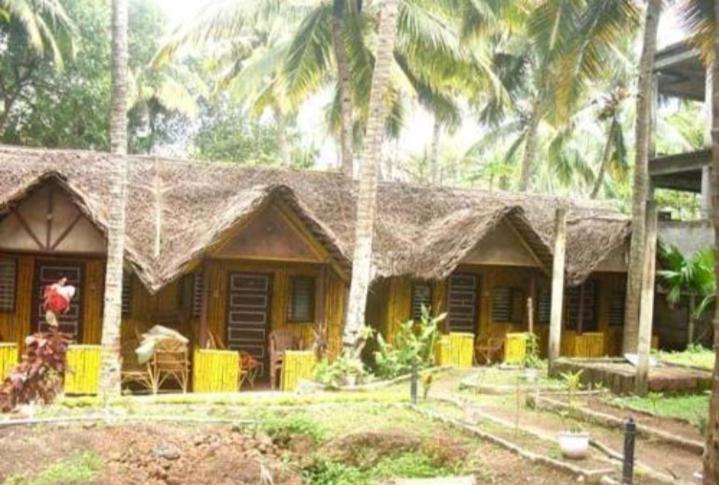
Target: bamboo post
(646, 303)
(555, 322)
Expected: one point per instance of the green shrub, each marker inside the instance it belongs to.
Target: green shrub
(326, 472)
(340, 371)
(413, 345)
(409, 465)
(77, 469)
(281, 427)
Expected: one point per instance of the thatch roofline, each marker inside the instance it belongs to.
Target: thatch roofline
(178, 209)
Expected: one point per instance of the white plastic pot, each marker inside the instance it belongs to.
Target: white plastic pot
(574, 445)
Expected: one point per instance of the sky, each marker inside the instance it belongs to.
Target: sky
(418, 131)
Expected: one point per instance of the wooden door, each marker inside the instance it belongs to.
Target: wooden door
(462, 300)
(48, 272)
(248, 316)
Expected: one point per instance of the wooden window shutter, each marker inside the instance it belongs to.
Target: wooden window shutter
(8, 282)
(126, 293)
(544, 305)
(198, 294)
(301, 307)
(421, 295)
(502, 304)
(616, 308)
(581, 307)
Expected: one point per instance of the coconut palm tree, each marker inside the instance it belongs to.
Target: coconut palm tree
(112, 314)
(45, 23)
(614, 147)
(367, 196)
(547, 64)
(640, 192)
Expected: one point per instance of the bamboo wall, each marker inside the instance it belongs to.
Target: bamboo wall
(334, 299)
(395, 307)
(14, 327)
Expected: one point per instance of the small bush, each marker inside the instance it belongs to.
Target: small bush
(413, 345)
(281, 427)
(75, 470)
(328, 472)
(340, 371)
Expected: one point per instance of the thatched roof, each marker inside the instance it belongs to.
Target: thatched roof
(178, 209)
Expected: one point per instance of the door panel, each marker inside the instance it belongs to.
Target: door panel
(248, 316)
(462, 302)
(49, 272)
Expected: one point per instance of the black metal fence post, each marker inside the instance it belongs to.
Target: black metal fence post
(630, 432)
(413, 384)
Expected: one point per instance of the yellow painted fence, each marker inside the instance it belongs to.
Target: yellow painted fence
(515, 348)
(296, 366)
(587, 344)
(456, 349)
(83, 369)
(8, 358)
(216, 371)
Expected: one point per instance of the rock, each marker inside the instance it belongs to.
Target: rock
(167, 452)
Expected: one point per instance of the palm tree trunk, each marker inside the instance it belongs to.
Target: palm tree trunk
(641, 177)
(367, 196)
(606, 156)
(530, 147)
(434, 152)
(692, 318)
(711, 449)
(344, 85)
(112, 314)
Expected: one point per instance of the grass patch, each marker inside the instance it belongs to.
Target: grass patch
(77, 469)
(405, 465)
(695, 356)
(692, 407)
(281, 427)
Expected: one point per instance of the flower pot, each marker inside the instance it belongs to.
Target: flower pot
(573, 444)
(351, 380)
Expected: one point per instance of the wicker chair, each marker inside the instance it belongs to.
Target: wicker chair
(280, 341)
(132, 371)
(489, 350)
(170, 361)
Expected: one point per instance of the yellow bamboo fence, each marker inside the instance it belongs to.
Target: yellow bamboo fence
(515, 348)
(296, 366)
(455, 349)
(216, 370)
(585, 345)
(83, 369)
(8, 358)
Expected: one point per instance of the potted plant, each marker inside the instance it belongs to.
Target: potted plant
(574, 442)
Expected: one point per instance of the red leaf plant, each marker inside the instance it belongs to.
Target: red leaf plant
(39, 376)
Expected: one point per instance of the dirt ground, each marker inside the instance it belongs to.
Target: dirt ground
(175, 454)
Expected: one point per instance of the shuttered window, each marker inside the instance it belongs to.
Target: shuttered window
(581, 307)
(507, 304)
(616, 308)
(198, 294)
(8, 280)
(301, 307)
(421, 295)
(544, 305)
(126, 293)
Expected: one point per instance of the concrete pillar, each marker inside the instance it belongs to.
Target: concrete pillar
(555, 320)
(708, 106)
(646, 308)
(706, 206)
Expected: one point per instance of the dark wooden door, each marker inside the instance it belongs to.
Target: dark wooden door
(462, 307)
(248, 316)
(48, 272)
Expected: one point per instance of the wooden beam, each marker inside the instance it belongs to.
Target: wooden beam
(555, 322)
(27, 228)
(204, 323)
(646, 306)
(67, 231)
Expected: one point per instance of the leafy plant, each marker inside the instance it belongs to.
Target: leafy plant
(341, 371)
(573, 383)
(281, 427)
(39, 376)
(654, 398)
(531, 357)
(80, 468)
(413, 345)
